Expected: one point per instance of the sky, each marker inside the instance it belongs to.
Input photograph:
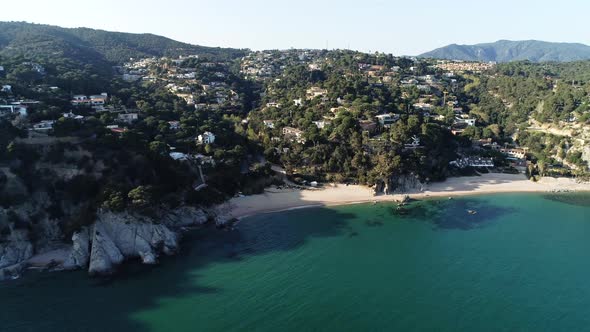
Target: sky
(407, 27)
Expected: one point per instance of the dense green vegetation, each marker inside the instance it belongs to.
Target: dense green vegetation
(96, 46)
(82, 166)
(314, 113)
(342, 150)
(517, 99)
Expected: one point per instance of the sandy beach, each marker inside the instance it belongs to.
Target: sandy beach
(274, 200)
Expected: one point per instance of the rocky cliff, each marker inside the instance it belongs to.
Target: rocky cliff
(15, 249)
(399, 184)
(109, 241)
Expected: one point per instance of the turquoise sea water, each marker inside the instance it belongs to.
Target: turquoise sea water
(522, 263)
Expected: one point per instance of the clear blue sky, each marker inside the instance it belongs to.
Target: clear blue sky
(400, 27)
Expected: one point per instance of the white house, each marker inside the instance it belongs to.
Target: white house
(469, 122)
(206, 138)
(269, 124)
(71, 115)
(6, 88)
(94, 100)
(298, 102)
(322, 123)
(128, 117)
(387, 119)
(423, 106)
(174, 125)
(14, 109)
(473, 162)
(99, 99)
(44, 125)
(179, 156)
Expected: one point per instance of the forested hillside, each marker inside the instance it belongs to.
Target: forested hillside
(96, 47)
(544, 107)
(506, 51)
(87, 133)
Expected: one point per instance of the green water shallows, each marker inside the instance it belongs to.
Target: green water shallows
(520, 264)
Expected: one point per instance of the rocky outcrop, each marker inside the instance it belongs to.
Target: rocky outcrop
(184, 217)
(401, 184)
(14, 251)
(105, 254)
(112, 239)
(221, 215)
(119, 236)
(80, 254)
(116, 237)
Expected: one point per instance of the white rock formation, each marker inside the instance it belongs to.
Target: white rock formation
(80, 255)
(112, 239)
(13, 252)
(119, 236)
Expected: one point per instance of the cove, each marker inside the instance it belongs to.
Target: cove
(521, 263)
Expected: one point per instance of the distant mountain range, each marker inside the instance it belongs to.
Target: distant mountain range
(506, 51)
(104, 48)
(94, 46)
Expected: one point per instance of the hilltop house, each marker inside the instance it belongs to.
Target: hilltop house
(461, 123)
(128, 117)
(269, 124)
(294, 134)
(174, 125)
(273, 104)
(206, 138)
(321, 124)
(179, 156)
(44, 125)
(423, 107)
(98, 99)
(94, 100)
(463, 120)
(71, 115)
(13, 109)
(314, 92)
(387, 120)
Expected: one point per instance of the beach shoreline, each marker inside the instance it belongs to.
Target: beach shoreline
(282, 200)
(275, 201)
